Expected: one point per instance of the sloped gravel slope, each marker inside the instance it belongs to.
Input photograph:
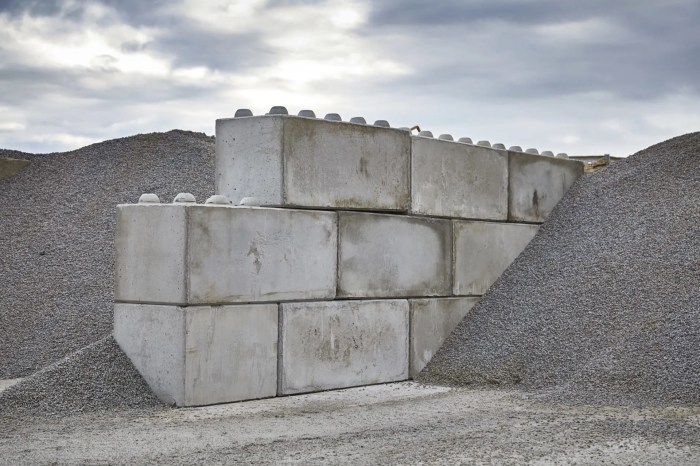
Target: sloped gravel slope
(603, 306)
(97, 378)
(57, 220)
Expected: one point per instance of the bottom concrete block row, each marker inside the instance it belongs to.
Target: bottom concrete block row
(201, 355)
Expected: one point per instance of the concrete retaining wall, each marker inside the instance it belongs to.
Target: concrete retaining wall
(369, 248)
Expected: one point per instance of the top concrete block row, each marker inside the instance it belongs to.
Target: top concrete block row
(288, 161)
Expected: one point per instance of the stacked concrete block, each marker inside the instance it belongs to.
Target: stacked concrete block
(201, 355)
(483, 251)
(293, 161)
(537, 183)
(337, 344)
(451, 179)
(432, 321)
(369, 248)
(393, 256)
(199, 254)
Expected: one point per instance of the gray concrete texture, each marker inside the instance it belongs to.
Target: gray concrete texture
(195, 254)
(537, 183)
(338, 344)
(451, 179)
(260, 254)
(393, 256)
(201, 354)
(151, 248)
(294, 161)
(432, 320)
(484, 250)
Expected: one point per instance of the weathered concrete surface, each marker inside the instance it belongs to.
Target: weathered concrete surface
(151, 242)
(231, 353)
(483, 251)
(451, 179)
(202, 354)
(10, 167)
(293, 161)
(153, 337)
(400, 423)
(196, 254)
(338, 344)
(249, 159)
(243, 254)
(432, 320)
(537, 184)
(393, 256)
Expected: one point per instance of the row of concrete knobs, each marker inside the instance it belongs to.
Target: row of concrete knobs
(280, 110)
(188, 198)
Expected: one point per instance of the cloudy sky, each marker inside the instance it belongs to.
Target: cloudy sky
(576, 76)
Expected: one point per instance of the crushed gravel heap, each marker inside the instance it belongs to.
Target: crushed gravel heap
(603, 306)
(97, 378)
(57, 220)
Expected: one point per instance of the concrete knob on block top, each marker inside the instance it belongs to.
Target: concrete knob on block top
(332, 117)
(515, 149)
(149, 198)
(547, 153)
(184, 198)
(562, 155)
(243, 112)
(446, 137)
(426, 134)
(484, 143)
(278, 110)
(499, 146)
(466, 140)
(358, 120)
(307, 113)
(533, 151)
(382, 123)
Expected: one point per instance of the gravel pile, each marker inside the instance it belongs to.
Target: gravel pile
(57, 221)
(97, 378)
(603, 306)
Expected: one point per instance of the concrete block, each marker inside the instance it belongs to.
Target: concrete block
(201, 355)
(249, 159)
(458, 180)
(537, 183)
(153, 337)
(483, 251)
(393, 256)
(293, 161)
(217, 254)
(432, 321)
(151, 242)
(261, 254)
(338, 344)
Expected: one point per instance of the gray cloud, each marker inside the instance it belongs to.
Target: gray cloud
(508, 67)
(653, 55)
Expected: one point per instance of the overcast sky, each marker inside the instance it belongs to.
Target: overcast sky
(576, 76)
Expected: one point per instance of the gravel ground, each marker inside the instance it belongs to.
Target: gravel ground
(387, 424)
(57, 231)
(603, 306)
